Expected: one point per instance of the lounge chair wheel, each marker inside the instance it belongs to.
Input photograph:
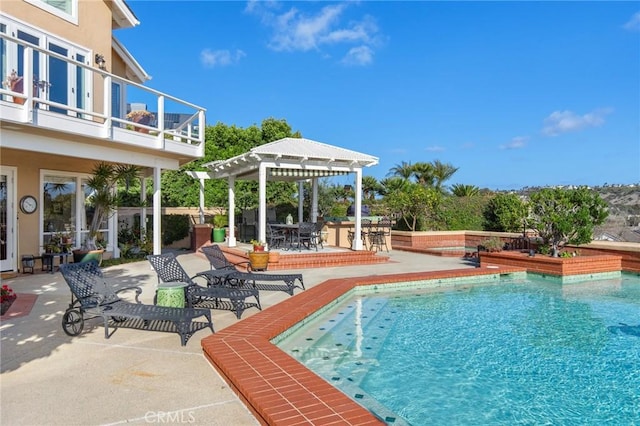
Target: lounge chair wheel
(119, 319)
(72, 322)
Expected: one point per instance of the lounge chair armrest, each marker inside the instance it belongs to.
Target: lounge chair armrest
(136, 288)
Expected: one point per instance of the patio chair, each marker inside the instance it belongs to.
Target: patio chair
(307, 235)
(365, 228)
(275, 237)
(92, 295)
(219, 263)
(378, 238)
(169, 269)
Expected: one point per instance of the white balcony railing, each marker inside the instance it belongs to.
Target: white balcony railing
(69, 95)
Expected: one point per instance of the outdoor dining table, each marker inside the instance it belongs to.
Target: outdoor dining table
(291, 229)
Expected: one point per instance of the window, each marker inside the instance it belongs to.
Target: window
(64, 208)
(58, 205)
(65, 9)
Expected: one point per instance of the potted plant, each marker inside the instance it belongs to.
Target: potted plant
(104, 200)
(257, 245)
(141, 117)
(258, 258)
(219, 222)
(15, 83)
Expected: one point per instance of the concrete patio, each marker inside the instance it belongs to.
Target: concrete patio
(49, 378)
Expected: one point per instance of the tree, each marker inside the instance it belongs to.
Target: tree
(505, 213)
(442, 172)
(102, 196)
(461, 190)
(403, 170)
(370, 187)
(423, 173)
(566, 216)
(414, 203)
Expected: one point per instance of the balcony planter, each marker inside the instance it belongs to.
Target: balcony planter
(140, 117)
(15, 83)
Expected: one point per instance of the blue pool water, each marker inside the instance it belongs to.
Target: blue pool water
(516, 352)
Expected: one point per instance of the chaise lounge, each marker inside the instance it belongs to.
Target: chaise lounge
(219, 264)
(169, 270)
(92, 295)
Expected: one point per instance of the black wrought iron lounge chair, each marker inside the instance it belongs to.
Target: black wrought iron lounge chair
(218, 287)
(92, 295)
(219, 262)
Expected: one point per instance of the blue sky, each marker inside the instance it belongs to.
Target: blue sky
(514, 94)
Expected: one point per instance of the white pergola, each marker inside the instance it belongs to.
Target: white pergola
(288, 159)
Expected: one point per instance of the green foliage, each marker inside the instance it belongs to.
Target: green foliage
(223, 142)
(102, 195)
(414, 203)
(566, 216)
(493, 244)
(461, 213)
(174, 227)
(505, 213)
(220, 220)
(460, 190)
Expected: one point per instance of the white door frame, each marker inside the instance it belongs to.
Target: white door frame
(9, 264)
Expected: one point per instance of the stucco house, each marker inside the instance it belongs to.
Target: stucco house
(54, 131)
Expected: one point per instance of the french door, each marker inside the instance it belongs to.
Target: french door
(7, 219)
(55, 79)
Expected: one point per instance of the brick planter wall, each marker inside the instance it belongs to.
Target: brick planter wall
(580, 265)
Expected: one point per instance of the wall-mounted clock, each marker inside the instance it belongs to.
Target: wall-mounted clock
(28, 204)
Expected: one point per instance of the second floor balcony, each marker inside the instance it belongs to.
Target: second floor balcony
(76, 100)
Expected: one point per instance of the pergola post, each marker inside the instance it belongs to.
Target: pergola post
(300, 201)
(314, 200)
(201, 204)
(262, 202)
(231, 212)
(357, 241)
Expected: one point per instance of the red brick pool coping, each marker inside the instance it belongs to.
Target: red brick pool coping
(277, 388)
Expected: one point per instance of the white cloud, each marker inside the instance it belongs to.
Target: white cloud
(294, 30)
(213, 58)
(362, 55)
(515, 143)
(568, 121)
(434, 148)
(634, 23)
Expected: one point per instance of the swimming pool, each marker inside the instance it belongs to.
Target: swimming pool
(519, 352)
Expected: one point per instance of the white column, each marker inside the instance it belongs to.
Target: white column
(314, 200)
(300, 201)
(231, 212)
(201, 206)
(143, 210)
(357, 241)
(262, 203)
(157, 212)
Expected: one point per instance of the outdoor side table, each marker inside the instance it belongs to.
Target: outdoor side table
(171, 294)
(48, 263)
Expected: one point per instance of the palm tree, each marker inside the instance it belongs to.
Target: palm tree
(461, 190)
(102, 195)
(424, 173)
(370, 187)
(393, 184)
(403, 170)
(442, 172)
